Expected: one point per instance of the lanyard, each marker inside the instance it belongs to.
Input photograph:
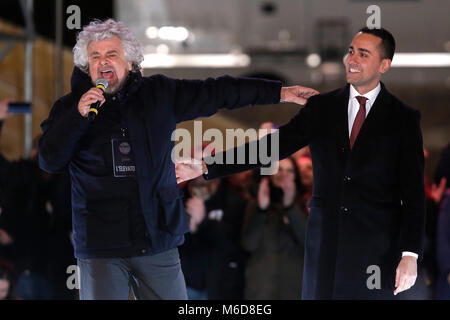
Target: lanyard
(124, 129)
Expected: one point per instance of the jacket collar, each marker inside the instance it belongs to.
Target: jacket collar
(374, 118)
(81, 82)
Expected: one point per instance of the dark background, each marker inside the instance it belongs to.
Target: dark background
(44, 16)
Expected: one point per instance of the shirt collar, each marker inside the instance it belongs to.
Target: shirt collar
(371, 95)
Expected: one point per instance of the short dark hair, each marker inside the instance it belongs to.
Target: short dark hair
(387, 41)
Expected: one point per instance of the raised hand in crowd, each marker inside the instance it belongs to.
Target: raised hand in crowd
(264, 194)
(438, 191)
(195, 207)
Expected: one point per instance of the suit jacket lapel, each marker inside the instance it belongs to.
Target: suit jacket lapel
(374, 119)
(342, 116)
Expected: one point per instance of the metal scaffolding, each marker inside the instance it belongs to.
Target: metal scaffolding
(28, 38)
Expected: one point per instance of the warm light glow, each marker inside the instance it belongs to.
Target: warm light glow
(420, 60)
(313, 60)
(162, 49)
(167, 33)
(425, 60)
(152, 32)
(195, 60)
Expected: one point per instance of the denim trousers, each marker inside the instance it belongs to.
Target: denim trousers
(154, 277)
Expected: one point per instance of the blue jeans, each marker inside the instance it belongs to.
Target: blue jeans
(153, 277)
(195, 294)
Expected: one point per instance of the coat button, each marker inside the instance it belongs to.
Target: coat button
(344, 209)
(342, 149)
(347, 179)
(143, 251)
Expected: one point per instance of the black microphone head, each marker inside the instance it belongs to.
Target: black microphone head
(101, 84)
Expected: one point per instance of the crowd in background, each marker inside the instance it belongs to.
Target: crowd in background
(246, 240)
(35, 229)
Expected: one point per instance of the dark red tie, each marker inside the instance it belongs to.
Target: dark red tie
(359, 120)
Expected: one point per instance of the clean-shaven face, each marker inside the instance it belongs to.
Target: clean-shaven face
(107, 60)
(364, 64)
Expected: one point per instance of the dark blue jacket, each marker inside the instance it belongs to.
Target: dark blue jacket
(153, 106)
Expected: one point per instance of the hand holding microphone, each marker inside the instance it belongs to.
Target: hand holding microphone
(93, 99)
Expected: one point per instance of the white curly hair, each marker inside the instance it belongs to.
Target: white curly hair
(103, 30)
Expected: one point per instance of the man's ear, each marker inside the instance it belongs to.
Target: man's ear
(130, 66)
(385, 65)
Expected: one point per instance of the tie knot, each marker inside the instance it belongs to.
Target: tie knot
(362, 101)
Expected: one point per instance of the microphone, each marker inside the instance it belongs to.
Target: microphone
(102, 84)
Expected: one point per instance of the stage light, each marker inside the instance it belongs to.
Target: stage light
(421, 60)
(195, 61)
(313, 60)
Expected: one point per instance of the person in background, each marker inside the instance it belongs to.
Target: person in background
(303, 152)
(274, 236)
(304, 164)
(8, 222)
(35, 224)
(428, 272)
(243, 183)
(443, 232)
(212, 258)
(7, 281)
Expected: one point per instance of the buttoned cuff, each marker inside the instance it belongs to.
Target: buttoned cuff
(410, 254)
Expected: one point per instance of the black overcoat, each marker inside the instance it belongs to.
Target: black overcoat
(368, 203)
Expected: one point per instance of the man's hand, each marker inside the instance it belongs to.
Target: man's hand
(90, 97)
(406, 274)
(289, 192)
(4, 109)
(297, 94)
(187, 169)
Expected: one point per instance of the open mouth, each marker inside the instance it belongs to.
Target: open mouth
(353, 70)
(107, 73)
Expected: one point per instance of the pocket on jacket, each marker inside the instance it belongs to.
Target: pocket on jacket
(108, 224)
(172, 216)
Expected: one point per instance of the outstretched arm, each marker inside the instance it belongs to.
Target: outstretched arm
(288, 139)
(203, 98)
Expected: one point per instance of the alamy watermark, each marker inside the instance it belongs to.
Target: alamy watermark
(374, 20)
(74, 20)
(73, 281)
(374, 280)
(257, 152)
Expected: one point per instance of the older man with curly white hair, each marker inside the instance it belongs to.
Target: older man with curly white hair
(127, 209)
(106, 50)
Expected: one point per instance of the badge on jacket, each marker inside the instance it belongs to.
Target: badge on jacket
(123, 158)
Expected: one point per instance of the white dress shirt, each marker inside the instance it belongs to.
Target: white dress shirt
(353, 104)
(353, 108)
